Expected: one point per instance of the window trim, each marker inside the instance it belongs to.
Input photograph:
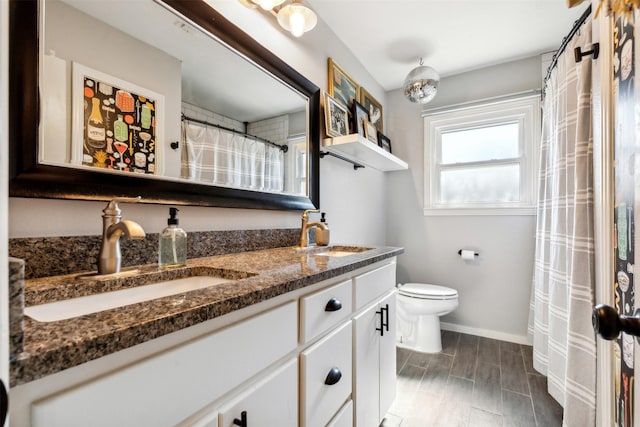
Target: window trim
(524, 110)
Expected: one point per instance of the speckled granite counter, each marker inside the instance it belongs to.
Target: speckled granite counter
(54, 346)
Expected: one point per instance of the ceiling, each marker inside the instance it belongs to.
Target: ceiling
(453, 36)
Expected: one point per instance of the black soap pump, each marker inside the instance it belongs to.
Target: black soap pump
(322, 232)
(173, 243)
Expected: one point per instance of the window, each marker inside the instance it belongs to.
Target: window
(481, 160)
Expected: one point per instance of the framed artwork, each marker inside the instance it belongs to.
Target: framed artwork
(115, 124)
(359, 115)
(341, 86)
(373, 107)
(336, 117)
(384, 142)
(370, 132)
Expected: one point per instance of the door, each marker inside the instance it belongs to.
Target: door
(4, 198)
(626, 181)
(615, 221)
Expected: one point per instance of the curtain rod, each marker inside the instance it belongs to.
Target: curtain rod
(283, 148)
(565, 41)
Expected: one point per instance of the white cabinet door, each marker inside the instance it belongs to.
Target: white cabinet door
(374, 361)
(366, 362)
(388, 355)
(271, 402)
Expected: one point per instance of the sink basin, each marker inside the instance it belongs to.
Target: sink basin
(67, 309)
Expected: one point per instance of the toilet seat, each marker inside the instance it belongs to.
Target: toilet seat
(424, 291)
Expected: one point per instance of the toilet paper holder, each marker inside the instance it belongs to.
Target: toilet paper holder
(474, 253)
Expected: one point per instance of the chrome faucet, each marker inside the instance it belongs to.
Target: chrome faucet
(113, 228)
(306, 225)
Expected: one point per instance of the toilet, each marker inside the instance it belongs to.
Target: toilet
(418, 316)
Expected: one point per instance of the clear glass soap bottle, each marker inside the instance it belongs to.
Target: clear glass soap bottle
(173, 243)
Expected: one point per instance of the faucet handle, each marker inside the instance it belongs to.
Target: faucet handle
(113, 208)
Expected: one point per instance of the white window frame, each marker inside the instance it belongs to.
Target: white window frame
(522, 110)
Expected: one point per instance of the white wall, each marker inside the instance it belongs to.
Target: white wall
(494, 290)
(354, 201)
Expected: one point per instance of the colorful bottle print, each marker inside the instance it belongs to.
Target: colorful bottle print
(120, 129)
(96, 133)
(146, 116)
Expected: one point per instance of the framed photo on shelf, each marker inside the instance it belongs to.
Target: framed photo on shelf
(341, 86)
(370, 132)
(384, 142)
(359, 115)
(373, 107)
(336, 117)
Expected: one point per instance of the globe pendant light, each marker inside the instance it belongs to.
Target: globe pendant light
(421, 84)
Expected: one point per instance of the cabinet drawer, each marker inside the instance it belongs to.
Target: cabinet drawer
(320, 401)
(271, 402)
(171, 386)
(344, 418)
(319, 312)
(369, 286)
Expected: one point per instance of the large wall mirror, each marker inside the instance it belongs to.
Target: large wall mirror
(159, 98)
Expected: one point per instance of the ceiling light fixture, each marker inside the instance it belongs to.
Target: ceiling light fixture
(421, 84)
(269, 4)
(297, 18)
(294, 17)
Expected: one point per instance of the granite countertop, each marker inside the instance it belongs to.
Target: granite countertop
(260, 275)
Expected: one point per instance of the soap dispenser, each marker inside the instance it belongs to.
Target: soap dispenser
(323, 233)
(173, 243)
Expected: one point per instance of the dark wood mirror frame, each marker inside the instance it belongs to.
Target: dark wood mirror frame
(28, 178)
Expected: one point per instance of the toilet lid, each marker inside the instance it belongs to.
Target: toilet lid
(422, 290)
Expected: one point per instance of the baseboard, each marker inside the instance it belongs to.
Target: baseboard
(487, 333)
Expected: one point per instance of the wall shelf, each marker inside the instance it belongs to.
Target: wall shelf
(359, 150)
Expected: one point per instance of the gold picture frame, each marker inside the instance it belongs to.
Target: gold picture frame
(373, 107)
(341, 86)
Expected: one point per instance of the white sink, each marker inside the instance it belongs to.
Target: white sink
(335, 253)
(67, 309)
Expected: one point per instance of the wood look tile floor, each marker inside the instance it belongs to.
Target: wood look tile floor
(473, 382)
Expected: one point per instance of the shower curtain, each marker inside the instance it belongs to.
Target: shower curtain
(230, 159)
(564, 347)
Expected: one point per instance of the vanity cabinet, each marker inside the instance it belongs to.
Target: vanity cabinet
(374, 353)
(310, 357)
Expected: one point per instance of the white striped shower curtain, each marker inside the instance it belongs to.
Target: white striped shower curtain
(564, 347)
(229, 159)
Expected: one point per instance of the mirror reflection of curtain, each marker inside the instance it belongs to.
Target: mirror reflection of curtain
(224, 158)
